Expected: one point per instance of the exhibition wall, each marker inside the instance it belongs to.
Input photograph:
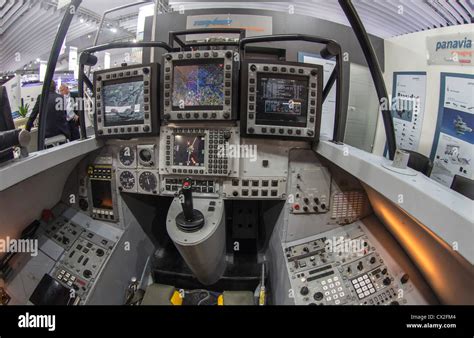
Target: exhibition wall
(408, 53)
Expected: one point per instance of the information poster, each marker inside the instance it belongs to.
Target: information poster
(453, 145)
(408, 108)
(329, 106)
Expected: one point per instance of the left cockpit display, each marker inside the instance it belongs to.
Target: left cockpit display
(126, 101)
(123, 102)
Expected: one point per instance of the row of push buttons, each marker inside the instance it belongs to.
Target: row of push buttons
(66, 277)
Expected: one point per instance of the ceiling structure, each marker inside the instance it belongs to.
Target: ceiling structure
(28, 27)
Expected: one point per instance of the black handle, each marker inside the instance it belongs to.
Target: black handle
(187, 203)
(375, 71)
(118, 45)
(332, 47)
(174, 36)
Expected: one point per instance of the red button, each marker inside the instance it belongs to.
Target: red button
(296, 207)
(47, 215)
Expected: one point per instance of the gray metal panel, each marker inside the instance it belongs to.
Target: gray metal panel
(203, 250)
(30, 271)
(17, 171)
(433, 205)
(122, 266)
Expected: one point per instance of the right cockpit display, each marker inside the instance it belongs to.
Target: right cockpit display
(282, 99)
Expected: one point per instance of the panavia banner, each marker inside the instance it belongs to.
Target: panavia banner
(453, 49)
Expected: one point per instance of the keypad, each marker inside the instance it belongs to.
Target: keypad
(333, 290)
(363, 286)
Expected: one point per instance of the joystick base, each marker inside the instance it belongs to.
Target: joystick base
(190, 226)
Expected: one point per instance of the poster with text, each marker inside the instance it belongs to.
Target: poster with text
(329, 106)
(453, 145)
(408, 108)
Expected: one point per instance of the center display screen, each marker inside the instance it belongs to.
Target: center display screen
(123, 102)
(198, 85)
(282, 100)
(189, 150)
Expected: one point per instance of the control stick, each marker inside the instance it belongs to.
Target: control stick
(190, 219)
(187, 200)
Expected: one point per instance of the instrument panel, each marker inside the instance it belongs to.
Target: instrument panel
(343, 267)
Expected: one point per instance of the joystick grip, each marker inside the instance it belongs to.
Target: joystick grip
(187, 200)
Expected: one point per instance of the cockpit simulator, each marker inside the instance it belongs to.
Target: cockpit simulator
(207, 183)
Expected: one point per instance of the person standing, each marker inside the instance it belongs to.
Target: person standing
(71, 117)
(56, 123)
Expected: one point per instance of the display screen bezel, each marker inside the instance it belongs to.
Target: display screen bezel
(283, 119)
(105, 83)
(178, 63)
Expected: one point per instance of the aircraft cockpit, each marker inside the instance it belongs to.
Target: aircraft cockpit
(207, 181)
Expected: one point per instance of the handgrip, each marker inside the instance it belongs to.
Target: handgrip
(187, 200)
(332, 47)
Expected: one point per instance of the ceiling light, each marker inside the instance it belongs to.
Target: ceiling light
(38, 60)
(134, 40)
(81, 20)
(113, 30)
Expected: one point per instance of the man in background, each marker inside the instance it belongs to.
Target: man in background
(56, 123)
(71, 117)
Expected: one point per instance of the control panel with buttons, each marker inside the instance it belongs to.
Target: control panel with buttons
(340, 267)
(199, 151)
(63, 231)
(255, 188)
(80, 265)
(310, 190)
(200, 187)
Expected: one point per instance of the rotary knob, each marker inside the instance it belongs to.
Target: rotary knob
(304, 291)
(318, 296)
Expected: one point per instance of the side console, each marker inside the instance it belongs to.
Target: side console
(343, 267)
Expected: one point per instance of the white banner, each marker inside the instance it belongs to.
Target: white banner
(253, 24)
